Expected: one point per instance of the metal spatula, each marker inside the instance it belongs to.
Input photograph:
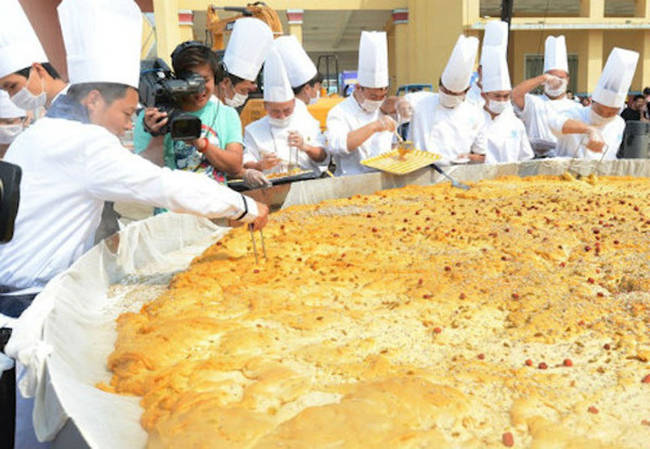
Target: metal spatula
(457, 184)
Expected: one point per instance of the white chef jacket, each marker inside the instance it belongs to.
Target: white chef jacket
(260, 136)
(503, 139)
(343, 118)
(536, 112)
(69, 170)
(474, 96)
(571, 145)
(445, 131)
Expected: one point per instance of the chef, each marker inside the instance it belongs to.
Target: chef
(535, 110)
(249, 44)
(503, 137)
(72, 161)
(596, 131)
(444, 123)
(25, 73)
(360, 126)
(495, 35)
(282, 140)
(303, 75)
(12, 121)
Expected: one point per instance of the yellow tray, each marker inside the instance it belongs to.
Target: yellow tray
(392, 163)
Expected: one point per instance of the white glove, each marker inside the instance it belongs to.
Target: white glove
(255, 179)
(404, 110)
(596, 141)
(386, 123)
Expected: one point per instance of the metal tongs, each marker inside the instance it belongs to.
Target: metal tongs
(583, 143)
(250, 229)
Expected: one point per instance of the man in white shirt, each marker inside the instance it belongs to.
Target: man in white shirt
(503, 137)
(283, 139)
(445, 123)
(72, 161)
(358, 128)
(535, 110)
(596, 132)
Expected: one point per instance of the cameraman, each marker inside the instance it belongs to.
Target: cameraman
(218, 152)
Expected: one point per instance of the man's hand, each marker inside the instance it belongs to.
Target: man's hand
(404, 110)
(554, 82)
(154, 119)
(269, 160)
(596, 141)
(385, 123)
(473, 157)
(296, 140)
(263, 217)
(255, 179)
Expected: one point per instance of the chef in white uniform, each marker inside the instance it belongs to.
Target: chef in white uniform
(535, 110)
(495, 35)
(503, 137)
(445, 123)
(360, 127)
(282, 140)
(303, 75)
(25, 72)
(12, 121)
(72, 161)
(596, 131)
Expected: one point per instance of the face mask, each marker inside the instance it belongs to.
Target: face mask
(557, 92)
(237, 100)
(371, 106)
(497, 107)
(599, 120)
(280, 122)
(26, 100)
(9, 132)
(314, 100)
(450, 101)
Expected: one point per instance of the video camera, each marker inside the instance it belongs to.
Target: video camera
(10, 175)
(159, 88)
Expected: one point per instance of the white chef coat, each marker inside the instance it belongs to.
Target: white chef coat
(571, 145)
(260, 137)
(445, 131)
(503, 139)
(69, 170)
(474, 96)
(348, 116)
(536, 112)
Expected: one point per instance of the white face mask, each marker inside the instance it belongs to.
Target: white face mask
(599, 120)
(26, 100)
(280, 122)
(9, 132)
(315, 99)
(497, 107)
(450, 101)
(371, 106)
(557, 92)
(237, 100)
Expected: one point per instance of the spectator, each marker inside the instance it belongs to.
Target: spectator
(646, 94)
(569, 94)
(585, 101)
(636, 109)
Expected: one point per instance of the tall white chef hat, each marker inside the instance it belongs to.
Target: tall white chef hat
(7, 107)
(102, 40)
(615, 81)
(249, 44)
(19, 46)
(495, 70)
(276, 82)
(299, 65)
(373, 59)
(459, 69)
(555, 57)
(495, 35)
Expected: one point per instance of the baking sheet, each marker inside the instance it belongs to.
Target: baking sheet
(81, 327)
(393, 162)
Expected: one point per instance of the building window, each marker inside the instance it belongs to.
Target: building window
(534, 66)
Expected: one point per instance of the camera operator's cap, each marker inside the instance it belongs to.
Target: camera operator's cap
(495, 35)
(555, 57)
(495, 70)
(460, 66)
(19, 45)
(102, 40)
(616, 78)
(277, 87)
(373, 60)
(249, 44)
(7, 107)
(300, 67)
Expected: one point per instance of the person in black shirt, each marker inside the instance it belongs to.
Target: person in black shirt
(636, 110)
